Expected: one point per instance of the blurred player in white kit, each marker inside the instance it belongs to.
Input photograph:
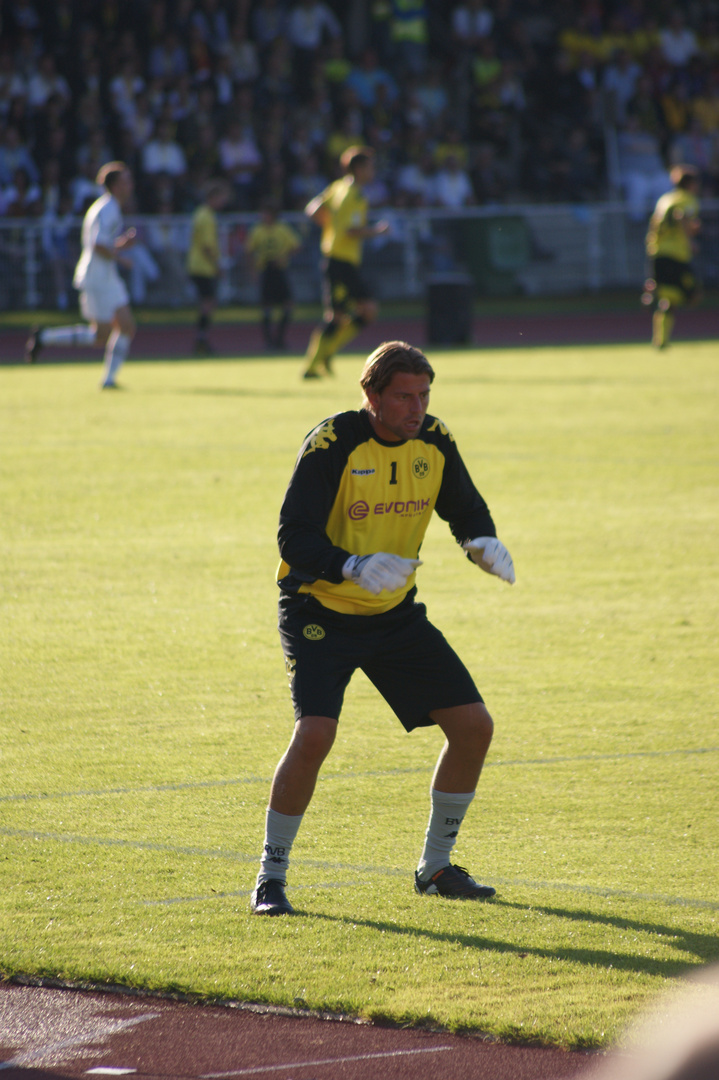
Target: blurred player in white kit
(104, 299)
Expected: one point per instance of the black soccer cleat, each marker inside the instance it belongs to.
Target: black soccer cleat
(454, 883)
(269, 899)
(33, 346)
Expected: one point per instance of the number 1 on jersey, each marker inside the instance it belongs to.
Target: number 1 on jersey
(393, 472)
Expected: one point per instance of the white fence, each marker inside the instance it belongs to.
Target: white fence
(509, 250)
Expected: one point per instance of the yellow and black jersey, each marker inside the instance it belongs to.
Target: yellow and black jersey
(272, 244)
(352, 493)
(667, 235)
(347, 208)
(203, 257)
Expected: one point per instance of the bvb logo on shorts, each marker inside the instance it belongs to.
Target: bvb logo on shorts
(420, 468)
(313, 632)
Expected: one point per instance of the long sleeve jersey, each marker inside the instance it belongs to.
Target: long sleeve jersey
(352, 493)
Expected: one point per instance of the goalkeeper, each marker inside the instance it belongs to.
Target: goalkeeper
(352, 523)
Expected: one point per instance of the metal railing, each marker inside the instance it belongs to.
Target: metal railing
(535, 250)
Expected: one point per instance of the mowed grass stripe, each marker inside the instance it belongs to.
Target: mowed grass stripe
(372, 773)
(314, 864)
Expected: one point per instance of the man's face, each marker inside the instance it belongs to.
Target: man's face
(364, 172)
(123, 187)
(398, 412)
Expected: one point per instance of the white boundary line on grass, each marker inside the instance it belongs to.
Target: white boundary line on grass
(199, 784)
(385, 871)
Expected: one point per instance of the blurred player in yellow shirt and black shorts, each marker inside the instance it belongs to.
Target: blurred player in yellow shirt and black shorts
(271, 244)
(203, 259)
(670, 246)
(341, 212)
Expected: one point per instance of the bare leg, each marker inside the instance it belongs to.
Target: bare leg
(296, 775)
(468, 729)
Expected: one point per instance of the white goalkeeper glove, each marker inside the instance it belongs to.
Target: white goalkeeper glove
(492, 556)
(379, 571)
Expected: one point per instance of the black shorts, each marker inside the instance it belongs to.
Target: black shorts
(680, 275)
(342, 285)
(274, 286)
(206, 286)
(400, 651)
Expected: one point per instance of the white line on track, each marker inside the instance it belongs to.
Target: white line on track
(92, 1034)
(326, 1061)
(110, 1070)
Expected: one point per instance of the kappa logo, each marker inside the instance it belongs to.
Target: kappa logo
(420, 468)
(363, 472)
(290, 664)
(321, 437)
(439, 426)
(313, 632)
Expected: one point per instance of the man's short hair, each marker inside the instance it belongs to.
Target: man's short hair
(110, 173)
(388, 358)
(355, 156)
(683, 175)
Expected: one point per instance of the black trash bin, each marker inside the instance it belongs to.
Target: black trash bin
(449, 302)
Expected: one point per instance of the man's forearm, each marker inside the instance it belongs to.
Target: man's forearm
(309, 550)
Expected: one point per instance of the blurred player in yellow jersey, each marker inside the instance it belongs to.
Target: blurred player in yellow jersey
(203, 259)
(670, 245)
(271, 244)
(341, 212)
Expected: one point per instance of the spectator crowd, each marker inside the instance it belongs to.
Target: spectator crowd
(476, 101)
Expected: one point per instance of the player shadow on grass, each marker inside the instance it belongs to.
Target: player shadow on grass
(701, 946)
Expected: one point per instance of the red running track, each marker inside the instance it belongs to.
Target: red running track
(245, 339)
(52, 1033)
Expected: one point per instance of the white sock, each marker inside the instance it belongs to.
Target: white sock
(280, 833)
(446, 816)
(68, 335)
(118, 346)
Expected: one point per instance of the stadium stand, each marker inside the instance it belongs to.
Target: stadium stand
(471, 103)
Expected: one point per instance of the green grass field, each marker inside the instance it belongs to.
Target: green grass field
(144, 700)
